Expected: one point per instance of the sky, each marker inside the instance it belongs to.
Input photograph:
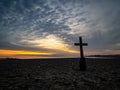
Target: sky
(49, 28)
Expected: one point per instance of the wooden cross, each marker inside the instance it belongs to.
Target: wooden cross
(82, 64)
(81, 46)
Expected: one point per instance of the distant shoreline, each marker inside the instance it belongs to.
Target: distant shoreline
(88, 57)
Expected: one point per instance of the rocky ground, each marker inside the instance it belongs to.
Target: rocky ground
(59, 74)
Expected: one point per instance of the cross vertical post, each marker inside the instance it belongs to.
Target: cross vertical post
(81, 47)
(82, 64)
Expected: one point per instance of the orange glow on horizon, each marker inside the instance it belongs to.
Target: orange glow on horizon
(23, 54)
(30, 54)
(18, 53)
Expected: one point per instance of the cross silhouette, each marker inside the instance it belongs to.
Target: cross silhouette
(81, 46)
(82, 63)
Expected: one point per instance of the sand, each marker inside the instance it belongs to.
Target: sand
(59, 74)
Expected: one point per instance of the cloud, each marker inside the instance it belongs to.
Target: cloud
(31, 25)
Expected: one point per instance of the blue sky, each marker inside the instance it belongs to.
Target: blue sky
(55, 25)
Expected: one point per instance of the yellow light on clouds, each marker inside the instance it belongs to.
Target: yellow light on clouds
(53, 42)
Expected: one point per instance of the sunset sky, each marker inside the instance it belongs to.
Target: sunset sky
(49, 28)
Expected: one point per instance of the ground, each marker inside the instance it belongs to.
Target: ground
(59, 74)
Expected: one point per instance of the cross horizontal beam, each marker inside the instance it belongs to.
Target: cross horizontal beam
(78, 44)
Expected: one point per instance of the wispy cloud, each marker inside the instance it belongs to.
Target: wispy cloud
(28, 24)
